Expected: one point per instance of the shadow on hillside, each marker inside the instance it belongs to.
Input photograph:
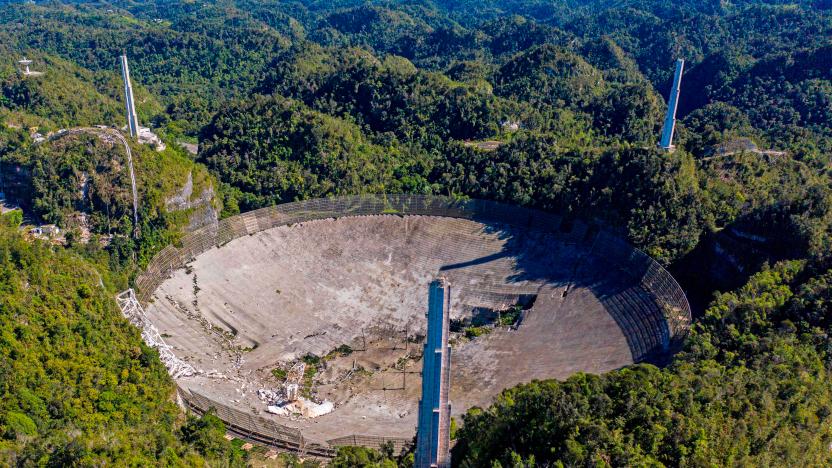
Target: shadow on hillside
(572, 256)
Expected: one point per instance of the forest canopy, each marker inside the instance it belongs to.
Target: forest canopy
(555, 105)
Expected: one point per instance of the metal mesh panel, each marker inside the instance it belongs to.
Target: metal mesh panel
(247, 425)
(375, 442)
(653, 277)
(231, 228)
(546, 222)
(650, 275)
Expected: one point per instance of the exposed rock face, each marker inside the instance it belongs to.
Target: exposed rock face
(742, 145)
(182, 199)
(202, 209)
(191, 148)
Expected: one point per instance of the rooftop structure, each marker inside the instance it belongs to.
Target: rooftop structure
(433, 434)
(666, 142)
(129, 102)
(147, 137)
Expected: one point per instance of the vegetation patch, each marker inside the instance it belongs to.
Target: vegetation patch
(341, 351)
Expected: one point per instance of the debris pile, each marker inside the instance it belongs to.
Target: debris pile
(132, 310)
(300, 407)
(287, 400)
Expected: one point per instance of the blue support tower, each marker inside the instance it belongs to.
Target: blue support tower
(672, 103)
(433, 434)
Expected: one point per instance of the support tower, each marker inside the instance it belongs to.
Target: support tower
(672, 103)
(25, 64)
(132, 119)
(26, 71)
(433, 433)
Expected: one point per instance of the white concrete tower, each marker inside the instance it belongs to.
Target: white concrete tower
(132, 119)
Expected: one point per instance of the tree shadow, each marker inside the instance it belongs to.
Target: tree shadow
(544, 251)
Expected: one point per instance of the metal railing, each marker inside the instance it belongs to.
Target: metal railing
(398, 444)
(265, 431)
(254, 428)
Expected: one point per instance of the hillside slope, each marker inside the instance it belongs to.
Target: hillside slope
(77, 384)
